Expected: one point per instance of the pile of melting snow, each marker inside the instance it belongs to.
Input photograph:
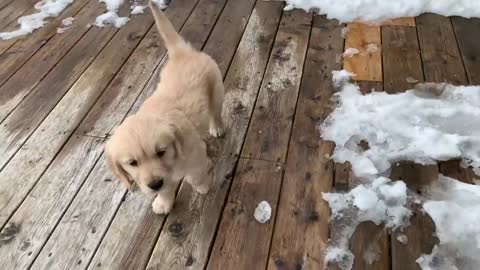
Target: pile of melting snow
(382, 10)
(381, 201)
(430, 123)
(455, 209)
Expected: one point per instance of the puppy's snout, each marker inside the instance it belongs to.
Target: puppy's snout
(156, 184)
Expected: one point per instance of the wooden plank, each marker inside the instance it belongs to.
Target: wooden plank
(252, 186)
(40, 212)
(442, 63)
(242, 242)
(22, 171)
(467, 31)
(70, 237)
(368, 238)
(401, 43)
(272, 118)
(302, 224)
(402, 53)
(23, 121)
(41, 35)
(4, 3)
(367, 64)
(45, 46)
(440, 56)
(16, 86)
(229, 26)
(190, 228)
(15, 9)
(135, 228)
(420, 233)
(404, 21)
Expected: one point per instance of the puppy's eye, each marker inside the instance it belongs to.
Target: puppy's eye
(133, 163)
(160, 153)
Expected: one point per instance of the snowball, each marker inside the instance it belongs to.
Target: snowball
(29, 23)
(402, 238)
(380, 201)
(350, 52)
(382, 10)
(432, 122)
(68, 21)
(411, 80)
(161, 3)
(263, 212)
(111, 18)
(372, 48)
(137, 9)
(455, 209)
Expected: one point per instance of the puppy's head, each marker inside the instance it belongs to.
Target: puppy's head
(145, 149)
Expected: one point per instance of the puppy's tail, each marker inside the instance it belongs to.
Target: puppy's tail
(173, 41)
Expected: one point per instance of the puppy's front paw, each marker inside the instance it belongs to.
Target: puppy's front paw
(161, 206)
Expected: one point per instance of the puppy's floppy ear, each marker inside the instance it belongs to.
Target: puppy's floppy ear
(117, 169)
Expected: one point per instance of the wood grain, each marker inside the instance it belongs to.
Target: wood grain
(404, 21)
(302, 224)
(34, 156)
(466, 31)
(43, 46)
(440, 55)
(79, 250)
(242, 242)
(42, 209)
(403, 44)
(401, 53)
(366, 64)
(135, 228)
(269, 130)
(190, 228)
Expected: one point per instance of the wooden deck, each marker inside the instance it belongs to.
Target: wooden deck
(62, 94)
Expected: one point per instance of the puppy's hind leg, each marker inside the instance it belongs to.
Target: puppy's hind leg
(201, 177)
(217, 94)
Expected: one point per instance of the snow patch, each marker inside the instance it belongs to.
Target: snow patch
(381, 201)
(263, 212)
(345, 31)
(429, 123)
(381, 10)
(161, 3)
(402, 238)
(455, 209)
(47, 9)
(411, 80)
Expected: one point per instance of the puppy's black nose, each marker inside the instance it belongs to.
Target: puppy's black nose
(156, 184)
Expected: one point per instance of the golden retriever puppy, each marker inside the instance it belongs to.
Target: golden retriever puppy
(164, 141)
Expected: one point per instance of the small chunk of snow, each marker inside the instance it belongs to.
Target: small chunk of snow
(68, 21)
(411, 80)
(350, 52)
(372, 48)
(137, 9)
(161, 3)
(402, 238)
(341, 76)
(263, 212)
(111, 18)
